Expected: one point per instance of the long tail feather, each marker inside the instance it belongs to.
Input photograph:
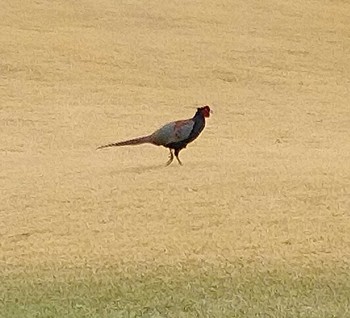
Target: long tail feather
(131, 142)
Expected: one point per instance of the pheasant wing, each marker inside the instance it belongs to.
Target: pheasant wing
(173, 132)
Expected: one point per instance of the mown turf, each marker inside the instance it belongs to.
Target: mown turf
(185, 290)
(255, 224)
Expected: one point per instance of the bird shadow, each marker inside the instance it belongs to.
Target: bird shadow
(140, 169)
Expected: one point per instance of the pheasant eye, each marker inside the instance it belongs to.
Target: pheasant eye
(206, 111)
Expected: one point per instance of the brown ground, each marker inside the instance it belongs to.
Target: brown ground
(269, 178)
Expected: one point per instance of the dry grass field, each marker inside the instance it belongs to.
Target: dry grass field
(257, 221)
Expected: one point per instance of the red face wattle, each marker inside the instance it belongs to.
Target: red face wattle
(206, 111)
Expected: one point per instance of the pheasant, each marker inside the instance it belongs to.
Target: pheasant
(175, 135)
